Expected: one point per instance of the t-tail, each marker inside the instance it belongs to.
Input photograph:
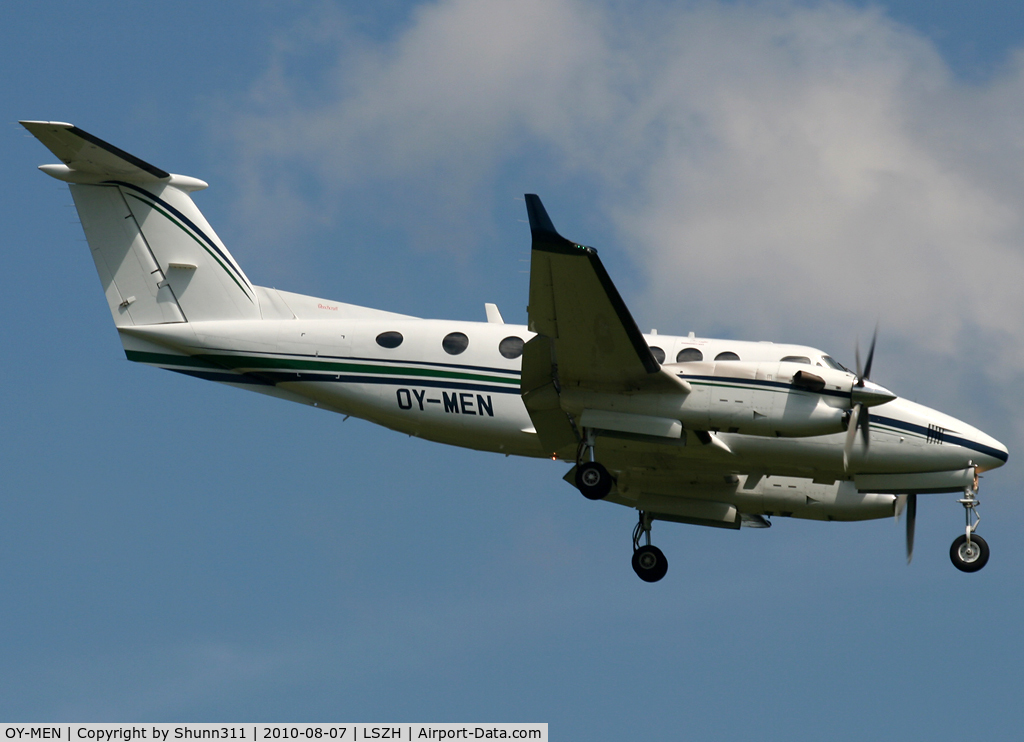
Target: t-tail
(158, 259)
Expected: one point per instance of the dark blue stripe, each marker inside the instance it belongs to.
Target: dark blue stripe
(189, 223)
(763, 382)
(272, 378)
(946, 437)
(223, 377)
(293, 376)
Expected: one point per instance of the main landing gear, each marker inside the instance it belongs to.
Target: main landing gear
(592, 479)
(595, 482)
(649, 562)
(969, 552)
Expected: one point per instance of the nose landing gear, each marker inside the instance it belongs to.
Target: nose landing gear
(969, 552)
(649, 562)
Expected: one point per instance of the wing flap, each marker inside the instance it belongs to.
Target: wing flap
(539, 388)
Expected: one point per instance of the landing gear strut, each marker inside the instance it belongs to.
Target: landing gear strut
(969, 552)
(592, 479)
(649, 562)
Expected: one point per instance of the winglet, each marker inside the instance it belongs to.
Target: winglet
(545, 237)
(540, 222)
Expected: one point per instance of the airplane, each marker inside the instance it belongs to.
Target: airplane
(703, 431)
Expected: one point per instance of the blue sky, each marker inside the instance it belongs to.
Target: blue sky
(176, 550)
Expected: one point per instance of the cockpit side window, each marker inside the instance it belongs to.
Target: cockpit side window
(833, 363)
(796, 359)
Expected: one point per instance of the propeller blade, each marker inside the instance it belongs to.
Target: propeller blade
(856, 355)
(864, 422)
(911, 519)
(851, 436)
(871, 357)
(901, 505)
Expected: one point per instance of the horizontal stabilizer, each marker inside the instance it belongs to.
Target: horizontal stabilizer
(83, 152)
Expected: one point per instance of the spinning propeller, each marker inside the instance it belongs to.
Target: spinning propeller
(908, 502)
(864, 394)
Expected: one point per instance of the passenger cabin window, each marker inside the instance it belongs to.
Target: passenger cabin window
(658, 353)
(727, 355)
(511, 347)
(454, 343)
(390, 339)
(689, 355)
(796, 359)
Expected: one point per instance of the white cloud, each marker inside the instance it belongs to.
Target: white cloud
(776, 169)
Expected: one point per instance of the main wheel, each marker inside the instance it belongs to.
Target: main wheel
(969, 558)
(649, 563)
(593, 480)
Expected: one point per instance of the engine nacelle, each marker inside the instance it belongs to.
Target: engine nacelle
(768, 399)
(800, 498)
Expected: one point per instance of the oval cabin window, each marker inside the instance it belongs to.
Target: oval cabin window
(454, 343)
(689, 355)
(658, 353)
(727, 355)
(390, 339)
(511, 347)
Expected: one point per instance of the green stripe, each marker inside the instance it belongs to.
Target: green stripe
(197, 241)
(293, 364)
(240, 363)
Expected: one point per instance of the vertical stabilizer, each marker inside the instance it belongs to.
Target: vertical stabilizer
(157, 257)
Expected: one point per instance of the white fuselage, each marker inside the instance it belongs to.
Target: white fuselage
(695, 430)
(472, 398)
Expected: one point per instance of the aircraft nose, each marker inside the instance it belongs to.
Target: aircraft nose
(1000, 454)
(991, 453)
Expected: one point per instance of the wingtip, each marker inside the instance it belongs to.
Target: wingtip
(27, 123)
(540, 222)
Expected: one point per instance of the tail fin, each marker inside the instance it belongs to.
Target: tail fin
(158, 259)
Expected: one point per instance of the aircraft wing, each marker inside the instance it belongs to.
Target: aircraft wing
(586, 336)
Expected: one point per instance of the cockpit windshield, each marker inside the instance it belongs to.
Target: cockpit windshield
(833, 363)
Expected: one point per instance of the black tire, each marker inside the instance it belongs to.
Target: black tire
(593, 480)
(964, 560)
(649, 563)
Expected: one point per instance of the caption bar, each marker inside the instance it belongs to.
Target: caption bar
(268, 732)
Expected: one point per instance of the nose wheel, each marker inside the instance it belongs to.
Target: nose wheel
(969, 552)
(969, 556)
(649, 562)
